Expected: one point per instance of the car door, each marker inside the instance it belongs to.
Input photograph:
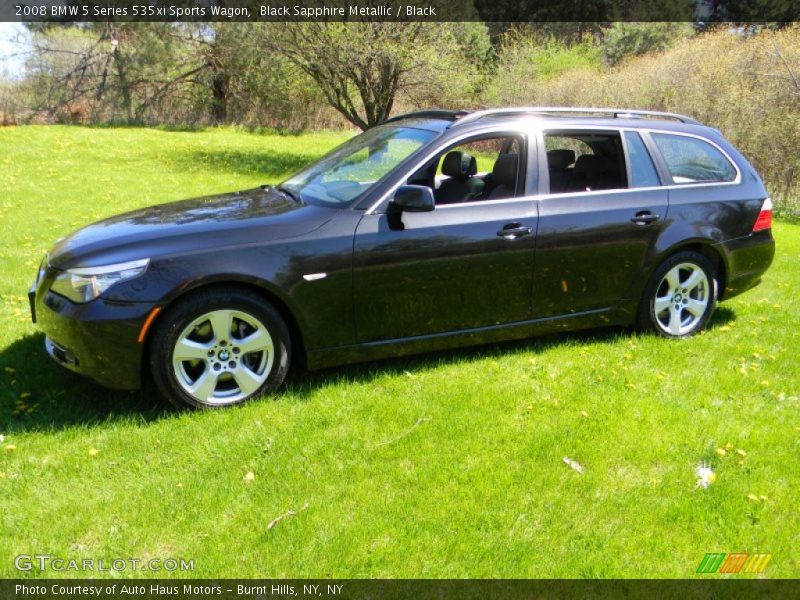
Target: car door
(592, 243)
(461, 266)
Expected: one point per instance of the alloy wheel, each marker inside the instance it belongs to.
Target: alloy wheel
(682, 299)
(223, 356)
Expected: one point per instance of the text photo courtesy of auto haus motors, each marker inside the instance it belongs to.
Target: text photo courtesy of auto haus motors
(448, 300)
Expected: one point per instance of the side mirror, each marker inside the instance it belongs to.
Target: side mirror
(412, 198)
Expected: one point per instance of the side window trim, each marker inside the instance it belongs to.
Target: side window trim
(627, 155)
(671, 181)
(523, 137)
(544, 167)
(532, 170)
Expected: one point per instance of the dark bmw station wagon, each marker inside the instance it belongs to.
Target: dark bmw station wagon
(433, 230)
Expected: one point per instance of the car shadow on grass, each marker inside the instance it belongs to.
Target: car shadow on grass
(38, 394)
(303, 384)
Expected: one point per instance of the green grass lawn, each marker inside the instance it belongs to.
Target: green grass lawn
(447, 465)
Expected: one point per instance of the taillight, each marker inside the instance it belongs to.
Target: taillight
(764, 220)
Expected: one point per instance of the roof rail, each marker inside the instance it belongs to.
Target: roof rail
(616, 113)
(434, 113)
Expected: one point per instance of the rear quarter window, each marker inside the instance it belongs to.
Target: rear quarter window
(692, 160)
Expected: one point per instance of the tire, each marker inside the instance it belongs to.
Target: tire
(679, 297)
(195, 363)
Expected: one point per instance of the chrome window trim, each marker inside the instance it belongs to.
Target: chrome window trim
(736, 180)
(515, 199)
(649, 130)
(541, 131)
(453, 141)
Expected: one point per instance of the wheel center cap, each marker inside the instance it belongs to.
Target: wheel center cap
(677, 297)
(224, 355)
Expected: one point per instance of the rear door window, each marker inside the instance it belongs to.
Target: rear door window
(585, 161)
(692, 160)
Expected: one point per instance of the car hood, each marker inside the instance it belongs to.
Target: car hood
(223, 220)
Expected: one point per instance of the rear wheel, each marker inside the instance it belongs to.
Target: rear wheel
(218, 349)
(680, 297)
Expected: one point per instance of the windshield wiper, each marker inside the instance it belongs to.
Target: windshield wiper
(290, 193)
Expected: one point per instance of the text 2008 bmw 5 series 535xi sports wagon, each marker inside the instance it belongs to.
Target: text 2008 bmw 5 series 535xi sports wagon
(433, 230)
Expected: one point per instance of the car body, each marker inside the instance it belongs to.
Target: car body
(395, 243)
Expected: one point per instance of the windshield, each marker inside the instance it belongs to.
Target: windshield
(357, 165)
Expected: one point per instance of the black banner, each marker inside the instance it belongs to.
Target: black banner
(707, 11)
(390, 589)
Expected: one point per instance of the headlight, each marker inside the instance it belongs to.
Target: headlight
(87, 283)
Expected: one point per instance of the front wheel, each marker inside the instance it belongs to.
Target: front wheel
(217, 349)
(680, 297)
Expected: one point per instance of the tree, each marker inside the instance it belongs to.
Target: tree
(361, 68)
(101, 71)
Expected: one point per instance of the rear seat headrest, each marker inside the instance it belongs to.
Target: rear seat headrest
(459, 164)
(591, 166)
(505, 169)
(560, 159)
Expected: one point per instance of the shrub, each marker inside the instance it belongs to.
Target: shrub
(747, 87)
(622, 40)
(523, 64)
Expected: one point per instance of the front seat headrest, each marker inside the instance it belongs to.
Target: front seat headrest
(505, 170)
(459, 164)
(560, 159)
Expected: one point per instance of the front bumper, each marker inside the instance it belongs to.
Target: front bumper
(98, 339)
(747, 259)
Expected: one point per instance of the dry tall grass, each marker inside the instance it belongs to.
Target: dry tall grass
(749, 88)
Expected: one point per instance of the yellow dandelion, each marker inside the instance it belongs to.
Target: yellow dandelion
(93, 451)
(721, 451)
(249, 476)
(763, 498)
(765, 383)
(10, 447)
(585, 414)
(741, 452)
(725, 328)
(752, 497)
(24, 395)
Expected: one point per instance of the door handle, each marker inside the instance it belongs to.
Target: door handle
(644, 217)
(513, 231)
